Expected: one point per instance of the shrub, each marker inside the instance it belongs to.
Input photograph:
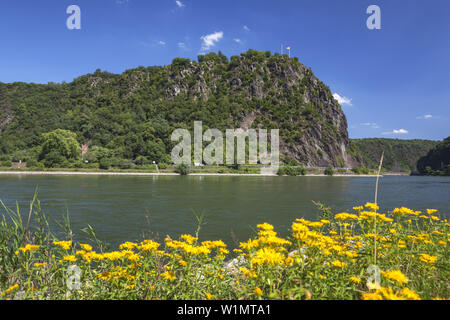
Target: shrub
(162, 166)
(6, 163)
(291, 171)
(361, 170)
(182, 169)
(329, 171)
(104, 164)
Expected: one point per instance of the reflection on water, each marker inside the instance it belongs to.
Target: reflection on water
(116, 206)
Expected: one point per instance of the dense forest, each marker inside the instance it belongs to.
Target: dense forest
(399, 155)
(437, 161)
(131, 116)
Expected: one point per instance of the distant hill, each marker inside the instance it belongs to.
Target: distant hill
(437, 160)
(134, 113)
(399, 155)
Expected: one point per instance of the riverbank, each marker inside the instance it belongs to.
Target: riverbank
(115, 173)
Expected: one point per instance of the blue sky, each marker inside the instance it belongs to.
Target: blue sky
(393, 82)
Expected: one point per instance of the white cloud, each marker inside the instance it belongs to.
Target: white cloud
(342, 100)
(373, 125)
(397, 131)
(246, 28)
(162, 43)
(182, 45)
(210, 40)
(122, 1)
(180, 4)
(237, 40)
(427, 116)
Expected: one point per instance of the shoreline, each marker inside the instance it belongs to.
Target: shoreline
(86, 173)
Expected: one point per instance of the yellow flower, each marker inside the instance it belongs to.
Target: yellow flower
(371, 296)
(148, 245)
(11, 288)
(346, 216)
(339, 264)
(389, 294)
(372, 206)
(265, 226)
(269, 256)
(128, 245)
(29, 248)
(70, 258)
(63, 244)
(188, 238)
(86, 247)
(209, 296)
(40, 264)
(430, 211)
(169, 275)
(410, 294)
(182, 263)
(248, 273)
(395, 275)
(104, 275)
(427, 258)
(258, 291)
(355, 280)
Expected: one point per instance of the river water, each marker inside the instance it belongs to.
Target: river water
(128, 208)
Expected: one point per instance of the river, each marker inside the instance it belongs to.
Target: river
(117, 206)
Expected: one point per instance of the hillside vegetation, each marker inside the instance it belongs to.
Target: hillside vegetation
(130, 116)
(437, 161)
(399, 155)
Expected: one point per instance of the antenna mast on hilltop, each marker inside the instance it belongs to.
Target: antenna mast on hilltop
(288, 48)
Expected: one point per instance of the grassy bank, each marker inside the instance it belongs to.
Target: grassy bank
(326, 259)
(206, 170)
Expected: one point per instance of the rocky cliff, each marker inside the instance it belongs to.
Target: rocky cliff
(133, 113)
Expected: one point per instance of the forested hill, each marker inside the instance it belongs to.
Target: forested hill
(437, 160)
(133, 114)
(399, 155)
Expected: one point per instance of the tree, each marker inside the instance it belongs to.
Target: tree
(59, 146)
(329, 171)
(96, 153)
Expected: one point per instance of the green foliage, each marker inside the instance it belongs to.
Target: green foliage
(361, 170)
(124, 116)
(291, 171)
(6, 163)
(105, 164)
(182, 169)
(399, 155)
(329, 171)
(437, 161)
(96, 154)
(59, 148)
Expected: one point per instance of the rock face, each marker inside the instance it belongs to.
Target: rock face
(253, 90)
(285, 95)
